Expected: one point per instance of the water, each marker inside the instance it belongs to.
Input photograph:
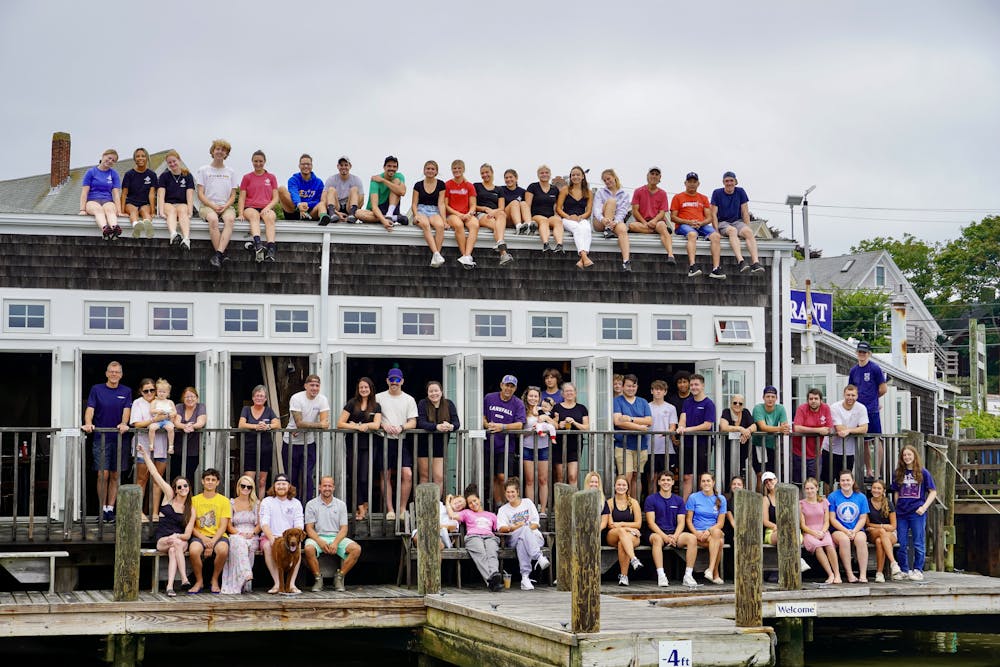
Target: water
(856, 647)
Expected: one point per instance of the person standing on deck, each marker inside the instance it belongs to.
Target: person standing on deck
(109, 405)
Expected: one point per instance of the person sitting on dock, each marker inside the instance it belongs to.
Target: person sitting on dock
(326, 525)
(849, 515)
(280, 511)
(881, 530)
(176, 523)
(482, 545)
(814, 513)
(212, 513)
(621, 519)
(706, 512)
(518, 518)
(665, 519)
(448, 525)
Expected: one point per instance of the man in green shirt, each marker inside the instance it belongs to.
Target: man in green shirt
(771, 418)
(385, 192)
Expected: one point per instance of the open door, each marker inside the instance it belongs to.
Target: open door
(820, 376)
(206, 381)
(712, 370)
(582, 372)
(473, 386)
(453, 372)
(603, 394)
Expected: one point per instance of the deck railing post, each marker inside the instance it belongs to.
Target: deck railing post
(128, 532)
(564, 535)
(748, 556)
(428, 539)
(789, 548)
(586, 591)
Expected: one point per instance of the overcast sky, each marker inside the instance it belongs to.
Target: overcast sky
(888, 104)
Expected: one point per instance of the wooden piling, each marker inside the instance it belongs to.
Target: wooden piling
(586, 565)
(564, 535)
(748, 557)
(128, 533)
(428, 539)
(791, 651)
(789, 547)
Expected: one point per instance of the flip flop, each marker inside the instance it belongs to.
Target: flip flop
(192, 591)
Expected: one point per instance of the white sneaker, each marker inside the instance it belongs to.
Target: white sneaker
(689, 580)
(526, 584)
(467, 261)
(708, 574)
(897, 574)
(542, 563)
(635, 563)
(436, 260)
(879, 578)
(804, 566)
(916, 575)
(661, 580)
(623, 580)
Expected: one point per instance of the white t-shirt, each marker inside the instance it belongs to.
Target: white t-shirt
(396, 410)
(525, 512)
(280, 515)
(218, 183)
(310, 410)
(663, 416)
(852, 418)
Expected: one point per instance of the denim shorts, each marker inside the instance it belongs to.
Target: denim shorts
(529, 454)
(704, 231)
(428, 210)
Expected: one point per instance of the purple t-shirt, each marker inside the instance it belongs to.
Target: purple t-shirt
(478, 523)
(699, 412)
(108, 405)
(101, 184)
(911, 495)
(503, 412)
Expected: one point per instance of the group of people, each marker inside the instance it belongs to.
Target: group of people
(549, 207)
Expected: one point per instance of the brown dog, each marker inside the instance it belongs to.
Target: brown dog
(287, 551)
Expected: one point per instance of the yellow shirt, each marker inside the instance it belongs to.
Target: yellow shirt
(209, 512)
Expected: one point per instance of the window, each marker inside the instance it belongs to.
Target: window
(169, 319)
(617, 328)
(290, 321)
(733, 330)
(26, 315)
(358, 322)
(879, 276)
(671, 329)
(241, 320)
(107, 318)
(418, 323)
(546, 327)
(491, 325)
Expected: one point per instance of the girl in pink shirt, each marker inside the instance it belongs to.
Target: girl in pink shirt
(258, 197)
(482, 545)
(815, 522)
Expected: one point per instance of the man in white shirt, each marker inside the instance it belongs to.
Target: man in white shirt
(399, 413)
(308, 409)
(217, 188)
(850, 419)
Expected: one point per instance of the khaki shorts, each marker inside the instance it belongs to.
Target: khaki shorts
(636, 460)
(205, 211)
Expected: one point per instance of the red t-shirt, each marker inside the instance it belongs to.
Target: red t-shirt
(458, 194)
(259, 189)
(650, 203)
(822, 418)
(689, 207)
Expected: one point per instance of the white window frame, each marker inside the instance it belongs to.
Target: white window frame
(472, 325)
(160, 332)
(126, 330)
(242, 334)
(359, 309)
(880, 269)
(718, 331)
(291, 334)
(46, 310)
(682, 318)
(433, 312)
(617, 341)
(542, 339)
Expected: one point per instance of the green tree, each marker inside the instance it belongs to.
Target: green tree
(916, 258)
(860, 313)
(968, 267)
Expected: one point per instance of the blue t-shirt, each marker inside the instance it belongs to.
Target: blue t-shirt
(666, 510)
(705, 515)
(499, 411)
(848, 510)
(138, 185)
(729, 205)
(867, 379)
(108, 405)
(637, 408)
(305, 192)
(556, 396)
(101, 184)
(176, 187)
(910, 495)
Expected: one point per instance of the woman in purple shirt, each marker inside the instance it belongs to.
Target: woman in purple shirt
(101, 195)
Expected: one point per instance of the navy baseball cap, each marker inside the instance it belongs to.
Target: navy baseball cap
(728, 174)
(691, 175)
(770, 389)
(864, 347)
(395, 375)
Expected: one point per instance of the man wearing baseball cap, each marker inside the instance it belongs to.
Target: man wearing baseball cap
(868, 377)
(649, 212)
(731, 210)
(343, 195)
(502, 412)
(399, 414)
(770, 417)
(691, 213)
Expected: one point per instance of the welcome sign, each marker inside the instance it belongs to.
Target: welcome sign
(822, 308)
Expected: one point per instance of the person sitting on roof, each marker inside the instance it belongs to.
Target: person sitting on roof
(302, 199)
(385, 190)
(731, 209)
(101, 195)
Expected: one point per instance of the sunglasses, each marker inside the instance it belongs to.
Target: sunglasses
(737, 402)
(246, 486)
(148, 391)
(181, 486)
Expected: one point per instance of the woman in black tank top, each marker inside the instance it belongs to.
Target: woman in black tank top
(428, 205)
(622, 517)
(541, 199)
(574, 207)
(490, 209)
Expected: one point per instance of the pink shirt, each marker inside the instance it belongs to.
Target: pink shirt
(814, 513)
(478, 523)
(650, 204)
(259, 189)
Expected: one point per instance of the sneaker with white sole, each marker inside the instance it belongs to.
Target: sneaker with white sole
(137, 229)
(803, 565)
(176, 239)
(879, 578)
(526, 584)
(436, 260)
(916, 575)
(661, 580)
(506, 258)
(318, 584)
(148, 224)
(185, 244)
(467, 262)
(521, 228)
(689, 580)
(635, 563)
(717, 273)
(708, 574)
(897, 574)
(542, 563)
(694, 271)
(623, 580)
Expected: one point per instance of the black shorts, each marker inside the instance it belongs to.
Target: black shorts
(296, 214)
(392, 451)
(428, 444)
(497, 460)
(199, 541)
(695, 451)
(570, 453)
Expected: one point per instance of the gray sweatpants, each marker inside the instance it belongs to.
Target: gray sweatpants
(484, 554)
(525, 542)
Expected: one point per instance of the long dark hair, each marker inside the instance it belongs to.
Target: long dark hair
(440, 413)
(359, 399)
(918, 467)
(187, 500)
(583, 184)
(884, 509)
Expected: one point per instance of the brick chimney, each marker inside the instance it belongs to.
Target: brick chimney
(59, 172)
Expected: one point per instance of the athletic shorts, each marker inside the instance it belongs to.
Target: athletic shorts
(328, 538)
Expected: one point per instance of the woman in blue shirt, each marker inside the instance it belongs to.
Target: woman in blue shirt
(706, 513)
(848, 516)
(101, 195)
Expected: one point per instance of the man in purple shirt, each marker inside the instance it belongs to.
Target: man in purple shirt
(109, 405)
(503, 411)
(698, 415)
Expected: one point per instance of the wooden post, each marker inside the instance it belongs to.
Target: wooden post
(128, 532)
(791, 651)
(428, 539)
(949, 501)
(789, 549)
(564, 535)
(586, 566)
(748, 556)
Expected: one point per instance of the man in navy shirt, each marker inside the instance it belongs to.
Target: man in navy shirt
(301, 199)
(731, 208)
(665, 514)
(109, 405)
(698, 415)
(868, 377)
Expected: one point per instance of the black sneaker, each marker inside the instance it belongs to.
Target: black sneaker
(671, 260)
(532, 227)
(559, 249)
(608, 234)
(216, 261)
(402, 219)
(250, 245)
(106, 233)
(756, 268)
(269, 255)
(501, 248)
(717, 273)
(116, 231)
(547, 247)
(742, 266)
(325, 220)
(176, 239)
(627, 266)
(694, 271)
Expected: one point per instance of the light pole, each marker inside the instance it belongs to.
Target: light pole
(808, 349)
(791, 201)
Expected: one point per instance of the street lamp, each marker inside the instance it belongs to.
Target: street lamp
(791, 201)
(808, 350)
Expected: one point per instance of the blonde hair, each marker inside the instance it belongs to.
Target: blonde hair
(220, 143)
(110, 151)
(184, 169)
(486, 165)
(432, 163)
(253, 489)
(593, 473)
(618, 182)
(160, 382)
(457, 163)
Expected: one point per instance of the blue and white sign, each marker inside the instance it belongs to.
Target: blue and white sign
(822, 308)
